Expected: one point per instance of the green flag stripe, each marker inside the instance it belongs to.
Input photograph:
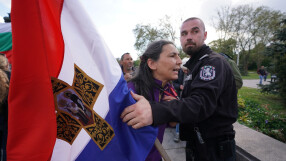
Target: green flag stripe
(5, 41)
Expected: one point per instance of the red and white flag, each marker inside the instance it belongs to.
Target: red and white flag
(67, 91)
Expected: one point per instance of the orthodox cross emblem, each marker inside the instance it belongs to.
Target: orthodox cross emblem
(74, 109)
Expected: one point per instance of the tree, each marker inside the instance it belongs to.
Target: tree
(7, 19)
(257, 54)
(145, 34)
(277, 50)
(249, 27)
(136, 63)
(224, 46)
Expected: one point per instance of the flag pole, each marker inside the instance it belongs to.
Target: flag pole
(161, 150)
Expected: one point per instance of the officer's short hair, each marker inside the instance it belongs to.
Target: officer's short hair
(196, 18)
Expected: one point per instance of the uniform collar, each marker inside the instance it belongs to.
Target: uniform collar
(202, 53)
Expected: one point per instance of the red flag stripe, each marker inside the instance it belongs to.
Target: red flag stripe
(38, 50)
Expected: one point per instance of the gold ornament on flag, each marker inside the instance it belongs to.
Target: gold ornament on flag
(74, 107)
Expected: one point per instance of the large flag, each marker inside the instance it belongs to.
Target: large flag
(6, 40)
(67, 90)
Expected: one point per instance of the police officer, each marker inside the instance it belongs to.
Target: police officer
(208, 107)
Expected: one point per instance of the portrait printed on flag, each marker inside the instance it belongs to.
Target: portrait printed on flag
(74, 106)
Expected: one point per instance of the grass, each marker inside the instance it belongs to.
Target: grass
(273, 102)
(251, 75)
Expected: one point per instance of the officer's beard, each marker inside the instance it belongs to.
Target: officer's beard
(192, 50)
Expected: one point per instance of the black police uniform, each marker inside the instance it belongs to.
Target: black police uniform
(207, 110)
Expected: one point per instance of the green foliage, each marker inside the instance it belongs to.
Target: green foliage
(145, 34)
(252, 66)
(257, 55)
(281, 74)
(7, 19)
(277, 51)
(280, 34)
(271, 88)
(224, 46)
(264, 113)
(136, 63)
(182, 54)
(252, 28)
(243, 72)
(274, 102)
(251, 75)
(262, 119)
(241, 103)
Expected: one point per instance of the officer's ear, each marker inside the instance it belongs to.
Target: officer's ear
(205, 35)
(152, 64)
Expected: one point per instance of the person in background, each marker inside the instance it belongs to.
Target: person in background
(179, 83)
(208, 107)
(235, 71)
(262, 74)
(159, 65)
(126, 63)
(4, 88)
(179, 86)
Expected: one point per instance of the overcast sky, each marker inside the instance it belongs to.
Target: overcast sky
(115, 19)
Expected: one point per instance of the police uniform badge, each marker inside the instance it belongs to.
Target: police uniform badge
(207, 73)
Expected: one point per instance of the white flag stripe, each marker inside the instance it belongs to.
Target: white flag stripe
(85, 48)
(5, 27)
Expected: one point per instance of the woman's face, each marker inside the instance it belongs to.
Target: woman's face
(167, 66)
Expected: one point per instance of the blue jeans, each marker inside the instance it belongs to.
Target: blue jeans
(177, 128)
(261, 77)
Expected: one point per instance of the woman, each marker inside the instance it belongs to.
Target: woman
(159, 65)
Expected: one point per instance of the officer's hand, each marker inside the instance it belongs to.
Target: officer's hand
(139, 114)
(168, 98)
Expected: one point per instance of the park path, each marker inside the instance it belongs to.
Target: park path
(253, 83)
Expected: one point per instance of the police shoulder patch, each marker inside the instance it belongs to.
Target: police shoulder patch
(207, 73)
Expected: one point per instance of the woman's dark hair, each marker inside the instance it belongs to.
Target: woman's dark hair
(144, 82)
